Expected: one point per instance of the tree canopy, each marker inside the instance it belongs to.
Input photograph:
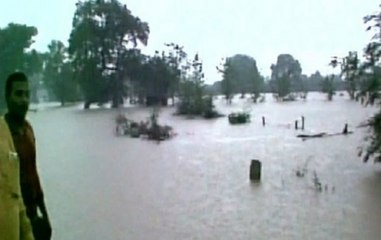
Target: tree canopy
(285, 75)
(102, 34)
(15, 56)
(240, 75)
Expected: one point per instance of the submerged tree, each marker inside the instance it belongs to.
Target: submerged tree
(314, 81)
(227, 82)
(246, 76)
(192, 92)
(33, 67)
(176, 60)
(350, 71)
(192, 89)
(240, 75)
(285, 75)
(102, 33)
(328, 87)
(159, 75)
(58, 74)
(370, 69)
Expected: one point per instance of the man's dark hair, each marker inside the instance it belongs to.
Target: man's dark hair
(14, 77)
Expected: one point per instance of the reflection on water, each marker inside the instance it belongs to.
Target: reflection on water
(196, 186)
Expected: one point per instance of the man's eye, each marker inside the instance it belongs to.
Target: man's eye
(22, 93)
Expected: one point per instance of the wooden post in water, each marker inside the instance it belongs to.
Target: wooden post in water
(345, 130)
(255, 170)
(302, 122)
(296, 124)
(263, 121)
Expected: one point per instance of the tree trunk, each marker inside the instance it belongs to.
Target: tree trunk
(117, 101)
(141, 99)
(352, 95)
(164, 101)
(87, 105)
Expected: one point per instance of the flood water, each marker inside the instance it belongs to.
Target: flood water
(196, 185)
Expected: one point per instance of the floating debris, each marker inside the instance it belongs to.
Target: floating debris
(149, 129)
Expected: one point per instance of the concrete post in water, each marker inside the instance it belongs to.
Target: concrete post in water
(255, 170)
(302, 122)
(296, 124)
(263, 121)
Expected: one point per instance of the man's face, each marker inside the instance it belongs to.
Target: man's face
(18, 100)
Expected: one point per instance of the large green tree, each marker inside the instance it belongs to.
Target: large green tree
(227, 83)
(137, 76)
(370, 69)
(314, 81)
(192, 92)
(58, 74)
(176, 60)
(159, 74)
(246, 76)
(328, 86)
(240, 75)
(15, 39)
(33, 67)
(285, 75)
(350, 71)
(102, 34)
(151, 78)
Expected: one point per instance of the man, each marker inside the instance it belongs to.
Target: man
(14, 224)
(17, 98)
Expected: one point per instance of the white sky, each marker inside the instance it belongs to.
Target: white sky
(311, 30)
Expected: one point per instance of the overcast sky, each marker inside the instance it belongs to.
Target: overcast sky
(311, 30)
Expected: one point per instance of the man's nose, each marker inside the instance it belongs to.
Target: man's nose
(25, 98)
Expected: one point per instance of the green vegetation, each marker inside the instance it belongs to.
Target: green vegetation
(103, 63)
(363, 82)
(286, 76)
(15, 56)
(239, 117)
(193, 100)
(328, 87)
(240, 75)
(58, 74)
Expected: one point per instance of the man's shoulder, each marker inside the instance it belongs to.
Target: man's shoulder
(28, 124)
(5, 133)
(29, 127)
(3, 124)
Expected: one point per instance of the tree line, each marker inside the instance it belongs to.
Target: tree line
(103, 63)
(240, 76)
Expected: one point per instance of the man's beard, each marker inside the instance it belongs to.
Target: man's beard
(19, 112)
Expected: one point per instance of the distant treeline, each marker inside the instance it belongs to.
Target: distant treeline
(313, 83)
